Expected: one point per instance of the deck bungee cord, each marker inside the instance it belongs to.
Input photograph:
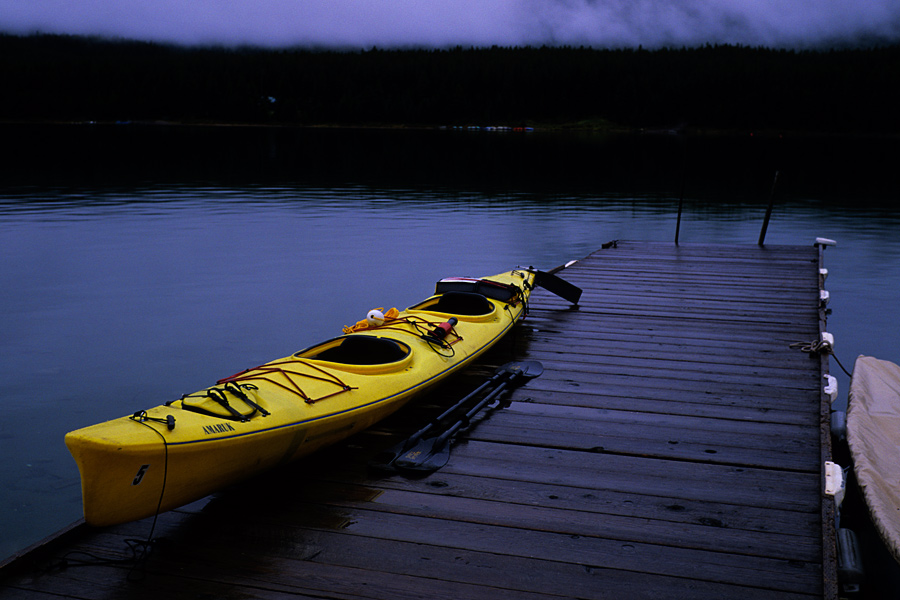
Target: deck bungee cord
(218, 395)
(264, 373)
(421, 327)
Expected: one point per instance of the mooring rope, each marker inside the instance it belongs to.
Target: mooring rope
(820, 347)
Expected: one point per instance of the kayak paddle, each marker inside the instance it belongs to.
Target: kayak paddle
(558, 286)
(426, 454)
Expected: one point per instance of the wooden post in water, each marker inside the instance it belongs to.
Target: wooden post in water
(678, 222)
(762, 234)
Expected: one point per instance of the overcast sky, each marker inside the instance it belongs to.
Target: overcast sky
(391, 23)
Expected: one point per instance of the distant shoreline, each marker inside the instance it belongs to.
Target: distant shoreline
(486, 130)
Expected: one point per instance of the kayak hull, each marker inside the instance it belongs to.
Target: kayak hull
(167, 456)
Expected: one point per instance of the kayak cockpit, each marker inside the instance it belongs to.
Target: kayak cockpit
(359, 350)
(462, 304)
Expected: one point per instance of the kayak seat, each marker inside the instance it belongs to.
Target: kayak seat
(462, 303)
(364, 350)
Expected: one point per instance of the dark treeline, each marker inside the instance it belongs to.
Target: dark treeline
(713, 87)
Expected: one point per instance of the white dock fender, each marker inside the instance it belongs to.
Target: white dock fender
(831, 387)
(835, 485)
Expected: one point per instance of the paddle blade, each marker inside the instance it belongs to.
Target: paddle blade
(427, 456)
(522, 370)
(558, 286)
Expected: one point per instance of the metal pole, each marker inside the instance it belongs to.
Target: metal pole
(762, 234)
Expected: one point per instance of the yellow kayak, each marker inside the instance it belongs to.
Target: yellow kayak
(156, 460)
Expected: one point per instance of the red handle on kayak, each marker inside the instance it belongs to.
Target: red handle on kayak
(444, 328)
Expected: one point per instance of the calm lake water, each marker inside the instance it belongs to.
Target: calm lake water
(140, 263)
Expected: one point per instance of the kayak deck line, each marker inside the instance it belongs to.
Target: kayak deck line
(672, 447)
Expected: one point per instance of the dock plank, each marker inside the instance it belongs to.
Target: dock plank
(672, 438)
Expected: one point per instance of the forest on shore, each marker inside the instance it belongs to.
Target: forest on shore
(76, 79)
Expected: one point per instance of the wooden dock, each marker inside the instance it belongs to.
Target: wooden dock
(672, 449)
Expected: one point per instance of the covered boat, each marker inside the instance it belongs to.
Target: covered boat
(873, 434)
(164, 457)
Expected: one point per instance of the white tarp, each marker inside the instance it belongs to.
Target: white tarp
(873, 431)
